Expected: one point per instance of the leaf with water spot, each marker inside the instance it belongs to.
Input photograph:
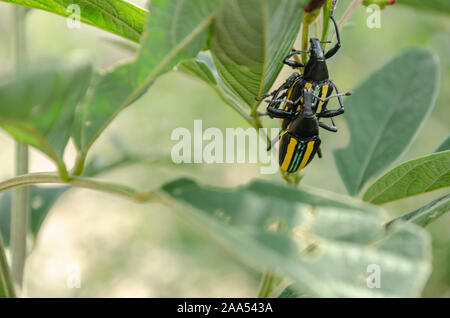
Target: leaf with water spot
(300, 232)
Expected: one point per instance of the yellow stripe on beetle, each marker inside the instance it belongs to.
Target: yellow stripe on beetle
(300, 105)
(324, 95)
(309, 150)
(288, 98)
(289, 153)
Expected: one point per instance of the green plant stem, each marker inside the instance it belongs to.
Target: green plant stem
(79, 164)
(305, 39)
(20, 201)
(326, 22)
(6, 280)
(267, 284)
(81, 182)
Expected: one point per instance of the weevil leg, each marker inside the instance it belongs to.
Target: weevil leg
(337, 112)
(319, 152)
(275, 92)
(278, 113)
(327, 127)
(273, 142)
(332, 121)
(335, 48)
(284, 86)
(276, 102)
(260, 98)
(293, 64)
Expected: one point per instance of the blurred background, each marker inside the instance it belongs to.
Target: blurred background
(125, 249)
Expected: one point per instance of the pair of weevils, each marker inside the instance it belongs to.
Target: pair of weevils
(301, 102)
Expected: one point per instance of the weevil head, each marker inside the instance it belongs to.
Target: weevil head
(316, 68)
(316, 51)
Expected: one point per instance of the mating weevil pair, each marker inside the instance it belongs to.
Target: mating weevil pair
(304, 99)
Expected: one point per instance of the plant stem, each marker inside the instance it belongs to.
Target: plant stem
(6, 280)
(79, 164)
(81, 182)
(305, 39)
(266, 284)
(326, 22)
(20, 201)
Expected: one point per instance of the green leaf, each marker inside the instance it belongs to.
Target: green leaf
(428, 213)
(441, 6)
(414, 177)
(250, 40)
(6, 284)
(39, 108)
(176, 32)
(323, 242)
(444, 146)
(384, 115)
(117, 16)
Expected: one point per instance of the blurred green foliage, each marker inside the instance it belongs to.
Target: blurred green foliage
(144, 251)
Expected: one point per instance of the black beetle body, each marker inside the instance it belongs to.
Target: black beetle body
(300, 142)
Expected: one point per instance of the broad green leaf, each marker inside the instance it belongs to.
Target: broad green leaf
(384, 115)
(444, 146)
(414, 177)
(250, 40)
(176, 31)
(428, 213)
(325, 243)
(117, 16)
(39, 107)
(441, 6)
(6, 284)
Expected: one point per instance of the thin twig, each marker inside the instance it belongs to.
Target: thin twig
(81, 182)
(20, 201)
